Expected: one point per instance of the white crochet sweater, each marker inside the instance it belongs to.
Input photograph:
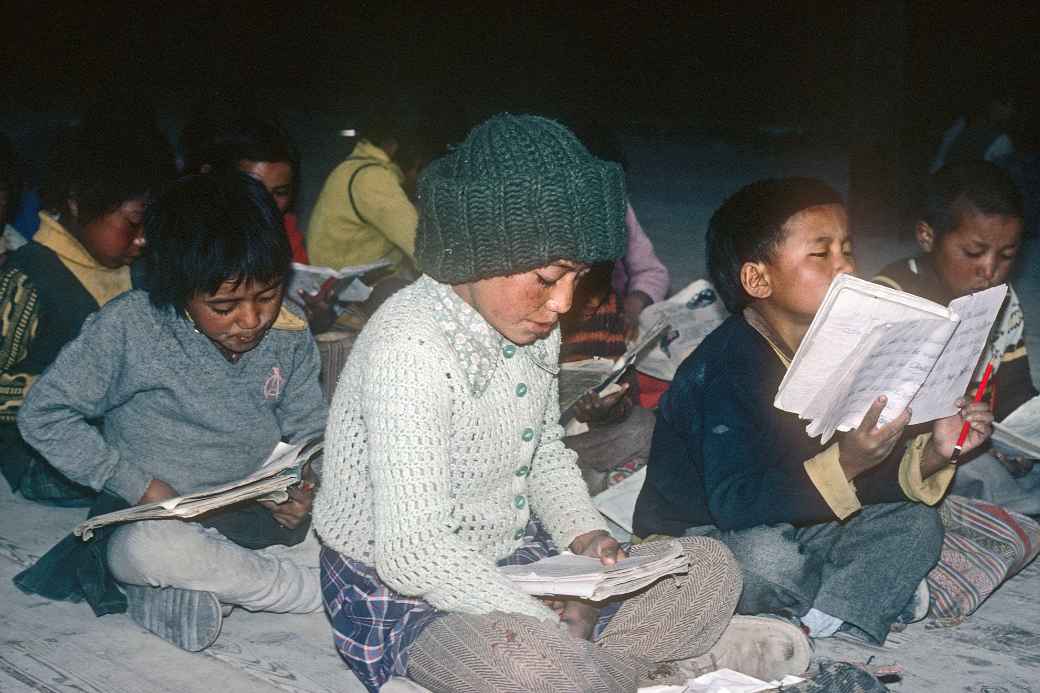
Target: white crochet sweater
(442, 439)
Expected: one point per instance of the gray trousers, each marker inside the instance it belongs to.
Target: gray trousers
(863, 570)
(670, 620)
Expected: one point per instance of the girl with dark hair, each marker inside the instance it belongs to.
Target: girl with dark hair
(195, 383)
(95, 194)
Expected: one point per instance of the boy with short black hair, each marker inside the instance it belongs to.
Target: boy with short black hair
(970, 233)
(840, 536)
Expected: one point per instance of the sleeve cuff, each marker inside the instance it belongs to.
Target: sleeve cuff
(128, 482)
(928, 491)
(828, 477)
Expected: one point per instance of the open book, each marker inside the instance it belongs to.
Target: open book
(868, 340)
(596, 374)
(283, 468)
(1018, 435)
(568, 575)
(349, 287)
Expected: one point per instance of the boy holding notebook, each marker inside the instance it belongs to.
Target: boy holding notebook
(840, 535)
(970, 233)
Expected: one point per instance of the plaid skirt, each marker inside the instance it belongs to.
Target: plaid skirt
(372, 625)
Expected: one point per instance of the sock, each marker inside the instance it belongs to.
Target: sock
(821, 625)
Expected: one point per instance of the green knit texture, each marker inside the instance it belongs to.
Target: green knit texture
(521, 192)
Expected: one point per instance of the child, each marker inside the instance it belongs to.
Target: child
(619, 430)
(95, 194)
(971, 233)
(839, 535)
(444, 444)
(194, 383)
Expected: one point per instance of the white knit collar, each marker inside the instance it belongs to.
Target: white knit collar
(479, 346)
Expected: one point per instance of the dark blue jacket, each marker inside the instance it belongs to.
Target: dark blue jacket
(723, 455)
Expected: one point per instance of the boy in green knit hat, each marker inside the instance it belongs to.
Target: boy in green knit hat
(444, 459)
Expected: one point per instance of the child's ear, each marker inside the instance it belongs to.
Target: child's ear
(754, 277)
(925, 236)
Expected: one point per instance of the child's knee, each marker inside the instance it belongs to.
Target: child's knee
(925, 524)
(150, 552)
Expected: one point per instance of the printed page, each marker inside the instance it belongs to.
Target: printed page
(581, 576)
(952, 373)
(309, 279)
(896, 362)
(577, 377)
(850, 310)
(1019, 433)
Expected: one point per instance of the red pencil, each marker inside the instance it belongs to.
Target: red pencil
(966, 427)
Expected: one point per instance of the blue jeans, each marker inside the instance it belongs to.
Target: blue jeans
(863, 570)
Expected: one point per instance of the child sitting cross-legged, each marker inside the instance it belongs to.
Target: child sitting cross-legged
(194, 383)
(970, 233)
(840, 536)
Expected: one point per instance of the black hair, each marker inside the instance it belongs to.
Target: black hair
(100, 168)
(966, 186)
(209, 229)
(749, 226)
(249, 139)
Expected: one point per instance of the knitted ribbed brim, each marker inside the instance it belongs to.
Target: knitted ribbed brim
(519, 193)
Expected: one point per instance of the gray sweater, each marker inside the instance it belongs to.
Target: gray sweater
(169, 405)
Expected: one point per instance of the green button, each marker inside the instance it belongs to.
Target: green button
(521, 390)
(527, 435)
(523, 471)
(519, 501)
(519, 534)
(509, 350)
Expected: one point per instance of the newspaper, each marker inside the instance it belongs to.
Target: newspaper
(282, 469)
(569, 575)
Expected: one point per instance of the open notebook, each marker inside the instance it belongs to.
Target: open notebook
(868, 340)
(283, 468)
(1018, 434)
(569, 575)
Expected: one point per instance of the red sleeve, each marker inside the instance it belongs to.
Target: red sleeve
(299, 251)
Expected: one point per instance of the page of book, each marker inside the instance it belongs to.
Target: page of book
(950, 377)
(578, 377)
(570, 575)
(894, 359)
(281, 470)
(309, 279)
(1019, 433)
(851, 309)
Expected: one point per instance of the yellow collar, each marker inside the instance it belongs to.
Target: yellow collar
(102, 283)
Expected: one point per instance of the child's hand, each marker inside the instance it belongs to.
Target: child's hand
(946, 431)
(867, 446)
(593, 409)
(318, 307)
(158, 490)
(598, 544)
(294, 511)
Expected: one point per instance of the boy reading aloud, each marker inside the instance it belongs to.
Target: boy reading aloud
(970, 233)
(841, 535)
(194, 383)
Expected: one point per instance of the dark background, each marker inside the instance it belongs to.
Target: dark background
(883, 78)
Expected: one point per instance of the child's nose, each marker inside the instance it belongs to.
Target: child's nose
(987, 267)
(561, 296)
(250, 317)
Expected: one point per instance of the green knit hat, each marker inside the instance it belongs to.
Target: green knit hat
(519, 193)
